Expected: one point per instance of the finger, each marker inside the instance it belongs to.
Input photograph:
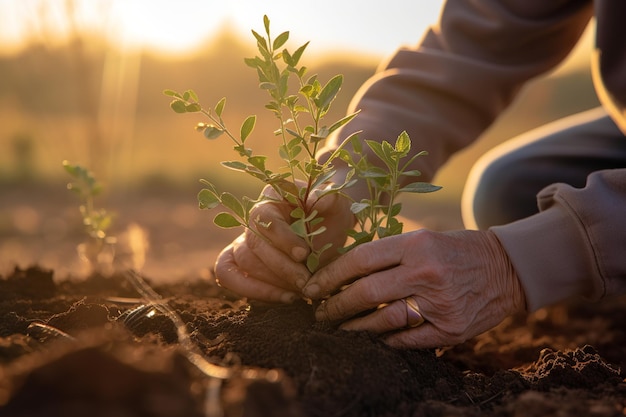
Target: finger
(231, 276)
(389, 318)
(247, 260)
(283, 268)
(359, 262)
(365, 294)
(270, 219)
(426, 336)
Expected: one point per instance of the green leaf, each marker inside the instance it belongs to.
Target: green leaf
(312, 262)
(235, 165)
(296, 57)
(178, 106)
(323, 178)
(258, 162)
(207, 199)
(266, 24)
(193, 108)
(260, 39)
(226, 220)
(299, 227)
(191, 94)
(171, 93)
(233, 203)
(411, 173)
(419, 187)
(318, 231)
(403, 143)
(329, 92)
(298, 213)
(280, 40)
(219, 107)
(341, 122)
(211, 132)
(377, 148)
(356, 208)
(247, 127)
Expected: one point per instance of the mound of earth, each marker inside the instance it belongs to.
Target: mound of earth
(94, 347)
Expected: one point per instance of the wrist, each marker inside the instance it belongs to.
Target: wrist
(511, 292)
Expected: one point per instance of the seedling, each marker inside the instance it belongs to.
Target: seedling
(302, 130)
(98, 248)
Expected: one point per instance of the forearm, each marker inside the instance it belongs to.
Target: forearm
(448, 89)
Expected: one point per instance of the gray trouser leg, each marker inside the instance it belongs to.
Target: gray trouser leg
(502, 186)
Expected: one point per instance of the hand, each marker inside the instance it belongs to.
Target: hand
(463, 283)
(269, 266)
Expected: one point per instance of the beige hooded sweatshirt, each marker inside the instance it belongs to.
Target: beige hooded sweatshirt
(466, 70)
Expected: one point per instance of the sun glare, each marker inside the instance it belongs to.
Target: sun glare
(181, 26)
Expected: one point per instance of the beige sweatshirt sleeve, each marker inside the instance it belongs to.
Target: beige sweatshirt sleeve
(447, 90)
(576, 244)
(466, 70)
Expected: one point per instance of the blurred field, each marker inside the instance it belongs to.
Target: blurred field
(103, 109)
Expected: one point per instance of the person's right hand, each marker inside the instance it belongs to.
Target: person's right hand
(269, 265)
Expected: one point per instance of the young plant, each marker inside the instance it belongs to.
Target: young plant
(98, 248)
(302, 129)
(377, 216)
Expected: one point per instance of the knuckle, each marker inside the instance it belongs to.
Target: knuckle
(368, 295)
(393, 318)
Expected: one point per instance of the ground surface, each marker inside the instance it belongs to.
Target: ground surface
(75, 347)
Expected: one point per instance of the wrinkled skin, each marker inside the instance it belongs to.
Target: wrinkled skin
(463, 281)
(269, 266)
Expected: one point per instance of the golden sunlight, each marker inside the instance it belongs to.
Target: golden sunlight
(181, 26)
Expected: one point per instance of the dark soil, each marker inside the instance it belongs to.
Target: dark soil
(87, 348)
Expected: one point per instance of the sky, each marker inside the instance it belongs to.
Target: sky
(178, 26)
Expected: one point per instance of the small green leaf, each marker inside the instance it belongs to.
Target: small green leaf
(329, 92)
(233, 203)
(411, 173)
(178, 106)
(226, 220)
(403, 143)
(296, 57)
(297, 213)
(299, 228)
(191, 94)
(318, 231)
(258, 161)
(341, 122)
(280, 40)
(219, 107)
(211, 132)
(193, 108)
(419, 187)
(207, 199)
(247, 127)
(171, 93)
(236, 165)
(356, 208)
(266, 24)
(312, 262)
(260, 40)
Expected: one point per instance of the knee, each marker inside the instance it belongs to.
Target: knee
(497, 192)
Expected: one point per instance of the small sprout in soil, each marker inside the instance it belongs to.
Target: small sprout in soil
(302, 130)
(98, 248)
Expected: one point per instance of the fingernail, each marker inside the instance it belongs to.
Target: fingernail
(320, 315)
(288, 298)
(312, 291)
(300, 283)
(298, 253)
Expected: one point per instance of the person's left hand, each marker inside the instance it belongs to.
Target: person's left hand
(463, 283)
